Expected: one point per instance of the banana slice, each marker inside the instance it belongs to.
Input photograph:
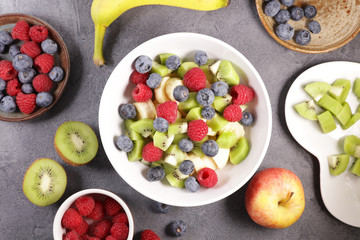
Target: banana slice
(209, 162)
(160, 94)
(171, 84)
(145, 109)
(198, 163)
(222, 157)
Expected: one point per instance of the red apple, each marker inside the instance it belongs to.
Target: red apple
(275, 198)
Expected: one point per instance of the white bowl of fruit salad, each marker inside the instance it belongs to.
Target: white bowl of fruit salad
(185, 119)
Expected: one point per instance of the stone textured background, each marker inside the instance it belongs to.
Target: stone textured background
(238, 25)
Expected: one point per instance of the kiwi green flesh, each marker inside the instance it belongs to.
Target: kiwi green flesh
(355, 167)
(209, 75)
(344, 116)
(136, 153)
(227, 73)
(327, 122)
(44, 182)
(175, 180)
(178, 137)
(76, 143)
(354, 118)
(317, 89)
(162, 140)
(226, 139)
(340, 89)
(220, 103)
(356, 87)
(160, 69)
(190, 103)
(240, 151)
(330, 104)
(144, 127)
(306, 109)
(132, 134)
(338, 163)
(184, 67)
(194, 114)
(352, 146)
(217, 123)
(173, 155)
(180, 126)
(197, 147)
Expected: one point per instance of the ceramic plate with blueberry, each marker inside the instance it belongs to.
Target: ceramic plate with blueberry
(310, 26)
(34, 67)
(185, 119)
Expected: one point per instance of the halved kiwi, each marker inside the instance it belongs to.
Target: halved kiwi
(76, 143)
(44, 182)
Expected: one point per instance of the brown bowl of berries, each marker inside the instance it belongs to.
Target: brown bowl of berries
(94, 213)
(34, 67)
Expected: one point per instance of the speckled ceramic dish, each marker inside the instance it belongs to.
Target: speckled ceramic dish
(339, 20)
(62, 59)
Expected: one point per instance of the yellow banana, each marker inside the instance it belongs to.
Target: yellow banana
(104, 12)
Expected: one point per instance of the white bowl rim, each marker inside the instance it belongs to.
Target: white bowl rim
(57, 228)
(267, 134)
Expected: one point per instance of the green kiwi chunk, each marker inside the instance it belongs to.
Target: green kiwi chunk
(160, 69)
(227, 73)
(354, 118)
(355, 167)
(164, 56)
(330, 104)
(173, 155)
(194, 114)
(197, 147)
(178, 137)
(136, 153)
(356, 87)
(132, 134)
(44, 182)
(226, 139)
(180, 126)
(317, 89)
(240, 151)
(352, 146)
(144, 126)
(338, 163)
(175, 180)
(327, 122)
(340, 89)
(217, 122)
(220, 103)
(162, 140)
(306, 109)
(184, 67)
(190, 103)
(344, 116)
(76, 143)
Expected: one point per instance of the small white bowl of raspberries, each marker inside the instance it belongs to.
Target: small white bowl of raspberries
(93, 213)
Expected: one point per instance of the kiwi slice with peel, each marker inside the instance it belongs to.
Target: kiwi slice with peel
(338, 163)
(136, 153)
(227, 73)
(240, 151)
(175, 180)
(76, 143)
(327, 122)
(352, 146)
(44, 182)
(317, 89)
(355, 167)
(306, 109)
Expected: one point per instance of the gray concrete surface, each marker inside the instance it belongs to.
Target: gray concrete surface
(22, 143)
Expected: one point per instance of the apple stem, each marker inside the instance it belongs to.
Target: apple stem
(286, 200)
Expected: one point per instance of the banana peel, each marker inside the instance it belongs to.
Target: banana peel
(104, 12)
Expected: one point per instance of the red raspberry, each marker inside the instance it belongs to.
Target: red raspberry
(167, 110)
(71, 219)
(38, 33)
(83, 228)
(42, 83)
(197, 130)
(232, 113)
(7, 71)
(13, 87)
(149, 235)
(120, 231)
(137, 77)
(44, 63)
(112, 207)
(151, 153)
(102, 228)
(241, 94)
(21, 31)
(94, 238)
(98, 211)
(31, 49)
(142, 93)
(195, 79)
(121, 217)
(26, 102)
(85, 205)
(85, 237)
(110, 237)
(72, 235)
(207, 177)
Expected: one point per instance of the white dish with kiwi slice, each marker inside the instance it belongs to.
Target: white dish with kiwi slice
(118, 91)
(322, 113)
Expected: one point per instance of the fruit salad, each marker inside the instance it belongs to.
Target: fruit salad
(188, 119)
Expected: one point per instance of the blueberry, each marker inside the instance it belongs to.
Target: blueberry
(272, 8)
(173, 62)
(191, 184)
(181, 93)
(161, 124)
(154, 80)
(296, 13)
(44, 99)
(22, 62)
(310, 11)
(7, 104)
(127, 111)
(124, 143)
(5, 38)
(1, 95)
(2, 85)
(14, 50)
(186, 167)
(2, 48)
(283, 16)
(176, 228)
(200, 58)
(287, 3)
(185, 145)
(27, 76)
(155, 174)
(205, 97)
(314, 26)
(220, 88)
(303, 37)
(208, 112)
(143, 64)
(49, 46)
(56, 74)
(159, 207)
(247, 119)
(285, 31)
(27, 88)
(210, 148)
